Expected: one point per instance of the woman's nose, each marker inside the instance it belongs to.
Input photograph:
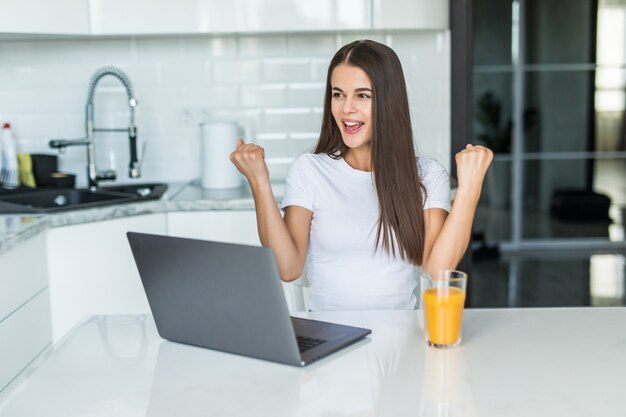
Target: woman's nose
(348, 105)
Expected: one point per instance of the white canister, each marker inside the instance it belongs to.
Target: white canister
(218, 140)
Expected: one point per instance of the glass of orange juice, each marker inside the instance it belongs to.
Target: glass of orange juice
(443, 297)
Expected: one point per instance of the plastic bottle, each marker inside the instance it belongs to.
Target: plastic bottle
(1, 164)
(9, 174)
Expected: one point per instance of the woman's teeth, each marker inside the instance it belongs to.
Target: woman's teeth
(352, 126)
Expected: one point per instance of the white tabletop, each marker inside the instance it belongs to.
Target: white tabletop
(512, 362)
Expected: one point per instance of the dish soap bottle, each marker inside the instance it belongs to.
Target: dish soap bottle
(1, 163)
(9, 174)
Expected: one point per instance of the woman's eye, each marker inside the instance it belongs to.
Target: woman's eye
(364, 96)
(336, 95)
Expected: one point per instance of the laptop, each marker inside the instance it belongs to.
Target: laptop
(229, 297)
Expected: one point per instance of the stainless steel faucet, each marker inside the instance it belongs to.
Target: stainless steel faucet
(134, 169)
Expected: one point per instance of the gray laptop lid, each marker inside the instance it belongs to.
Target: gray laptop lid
(229, 297)
(218, 295)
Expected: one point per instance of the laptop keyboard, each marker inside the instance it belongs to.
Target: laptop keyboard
(306, 343)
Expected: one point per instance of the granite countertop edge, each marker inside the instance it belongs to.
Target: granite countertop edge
(15, 229)
(180, 197)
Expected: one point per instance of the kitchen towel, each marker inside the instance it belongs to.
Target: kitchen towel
(25, 169)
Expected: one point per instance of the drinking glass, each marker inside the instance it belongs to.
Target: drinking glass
(443, 297)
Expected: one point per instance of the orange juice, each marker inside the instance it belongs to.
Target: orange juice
(443, 314)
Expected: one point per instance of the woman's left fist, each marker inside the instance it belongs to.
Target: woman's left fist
(471, 166)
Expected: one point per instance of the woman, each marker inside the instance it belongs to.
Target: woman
(359, 206)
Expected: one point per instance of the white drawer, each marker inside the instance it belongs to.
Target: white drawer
(23, 273)
(23, 335)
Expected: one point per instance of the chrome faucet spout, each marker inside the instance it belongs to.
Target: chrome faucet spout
(64, 143)
(134, 171)
(93, 176)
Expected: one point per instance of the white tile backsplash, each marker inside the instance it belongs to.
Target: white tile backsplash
(275, 148)
(273, 81)
(262, 46)
(243, 71)
(310, 46)
(278, 170)
(429, 43)
(102, 51)
(152, 50)
(352, 36)
(309, 94)
(223, 97)
(179, 72)
(319, 69)
(290, 70)
(301, 145)
(290, 120)
(269, 95)
(223, 47)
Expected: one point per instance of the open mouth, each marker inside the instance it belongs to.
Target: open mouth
(352, 126)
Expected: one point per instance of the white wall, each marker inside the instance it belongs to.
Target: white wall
(276, 81)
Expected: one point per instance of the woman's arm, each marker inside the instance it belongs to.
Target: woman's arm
(447, 235)
(289, 237)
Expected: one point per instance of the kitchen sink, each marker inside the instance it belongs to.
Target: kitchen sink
(61, 199)
(146, 191)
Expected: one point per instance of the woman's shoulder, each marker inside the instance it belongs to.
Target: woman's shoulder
(313, 157)
(308, 168)
(436, 182)
(312, 160)
(429, 167)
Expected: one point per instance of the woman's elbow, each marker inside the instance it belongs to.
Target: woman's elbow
(291, 275)
(427, 268)
(430, 266)
(427, 263)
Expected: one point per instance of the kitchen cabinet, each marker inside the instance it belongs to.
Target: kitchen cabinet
(302, 15)
(231, 226)
(25, 328)
(92, 270)
(59, 17)
(414, 14)
(153, 17)
(127, 17)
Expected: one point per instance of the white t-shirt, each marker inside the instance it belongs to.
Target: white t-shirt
(343, 269)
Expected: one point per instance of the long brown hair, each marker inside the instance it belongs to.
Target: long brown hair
(394, 167)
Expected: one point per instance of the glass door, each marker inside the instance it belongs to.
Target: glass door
(549, 82)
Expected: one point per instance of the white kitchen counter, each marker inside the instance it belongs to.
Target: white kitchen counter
(512, 362)
(187, 197)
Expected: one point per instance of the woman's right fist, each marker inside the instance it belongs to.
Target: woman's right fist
(250, 161)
